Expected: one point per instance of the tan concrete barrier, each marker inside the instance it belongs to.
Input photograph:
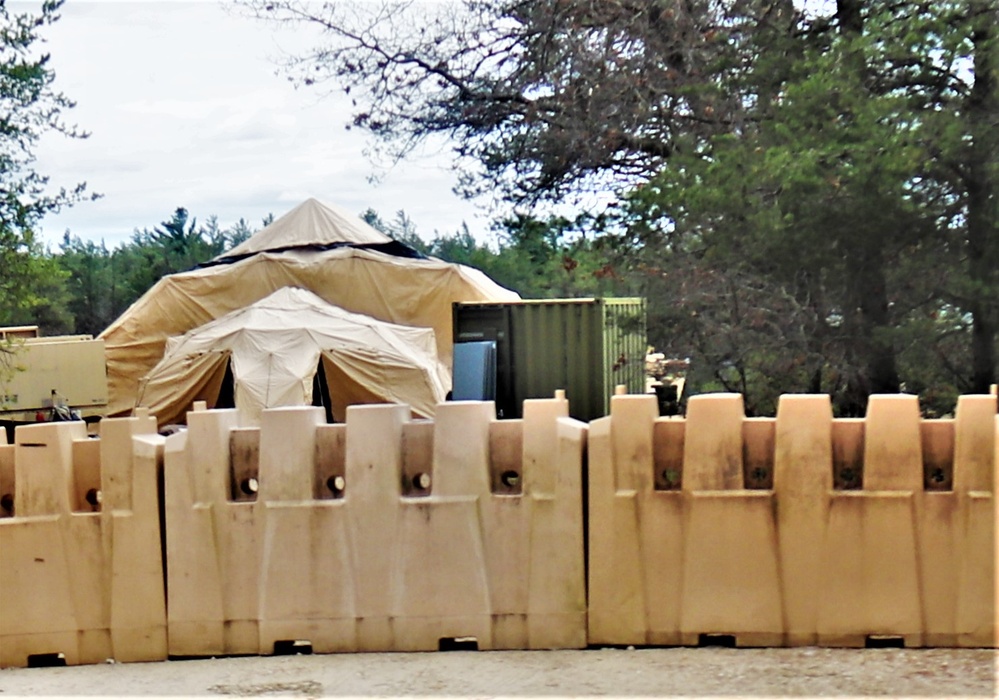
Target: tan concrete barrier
(911, 555)
(974, 545)
(678, 548)
(796, 530)
(868, 582)
(379, 534)
(81, 576)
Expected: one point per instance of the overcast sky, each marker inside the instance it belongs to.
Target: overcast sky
(185, 110)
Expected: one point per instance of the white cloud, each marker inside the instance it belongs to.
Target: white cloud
(185, 109)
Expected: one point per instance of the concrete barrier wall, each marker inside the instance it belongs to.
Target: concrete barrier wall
(81, 576)
(380, 534)
(796, 530)
(387, 533)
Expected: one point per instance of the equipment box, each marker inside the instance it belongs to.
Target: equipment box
(68, 369)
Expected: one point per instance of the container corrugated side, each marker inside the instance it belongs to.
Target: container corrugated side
(585, 346)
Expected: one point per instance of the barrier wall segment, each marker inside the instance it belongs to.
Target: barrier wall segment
(852, 530)
(910, 555)
(80, 553)
(380, 534)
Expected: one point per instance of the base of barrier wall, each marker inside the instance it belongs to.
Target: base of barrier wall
(862, 641)
(740, 640)
(17, 650)
(198, 639)
(323, 636)
(139, 644)
(239, 636)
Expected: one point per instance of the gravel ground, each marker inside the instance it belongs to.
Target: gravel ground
(702, 672)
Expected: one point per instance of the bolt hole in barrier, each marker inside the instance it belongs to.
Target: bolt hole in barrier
(848, 478)
(249, 486)
(510, 479)
(420, 484)
(759, 475)
(6, 505)
(716, 640)
(936, 478)
(46, 660)
(458, 644)
(94, 497)
(336, 485)
(292, 647)
(669, 480)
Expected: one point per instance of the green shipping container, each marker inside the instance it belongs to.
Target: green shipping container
(585, 346)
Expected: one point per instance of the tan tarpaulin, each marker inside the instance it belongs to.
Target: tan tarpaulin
(310, 223)
(274, 347)
(414, 292)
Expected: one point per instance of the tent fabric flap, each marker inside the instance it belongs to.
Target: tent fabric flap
(170, 392)
(354, 379)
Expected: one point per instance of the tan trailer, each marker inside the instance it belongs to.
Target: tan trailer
(48, 378)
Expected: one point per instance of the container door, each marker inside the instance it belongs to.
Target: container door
(474, 371)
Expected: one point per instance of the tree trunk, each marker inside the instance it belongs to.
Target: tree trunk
(871, 353)
(867, 313)
(983, 197)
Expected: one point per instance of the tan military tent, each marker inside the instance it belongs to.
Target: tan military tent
(354, 267)
(311, 223)
(290, 349)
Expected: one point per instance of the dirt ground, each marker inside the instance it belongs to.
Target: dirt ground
(800, 672)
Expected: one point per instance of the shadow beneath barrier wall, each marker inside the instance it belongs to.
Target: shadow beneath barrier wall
(458, 644)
